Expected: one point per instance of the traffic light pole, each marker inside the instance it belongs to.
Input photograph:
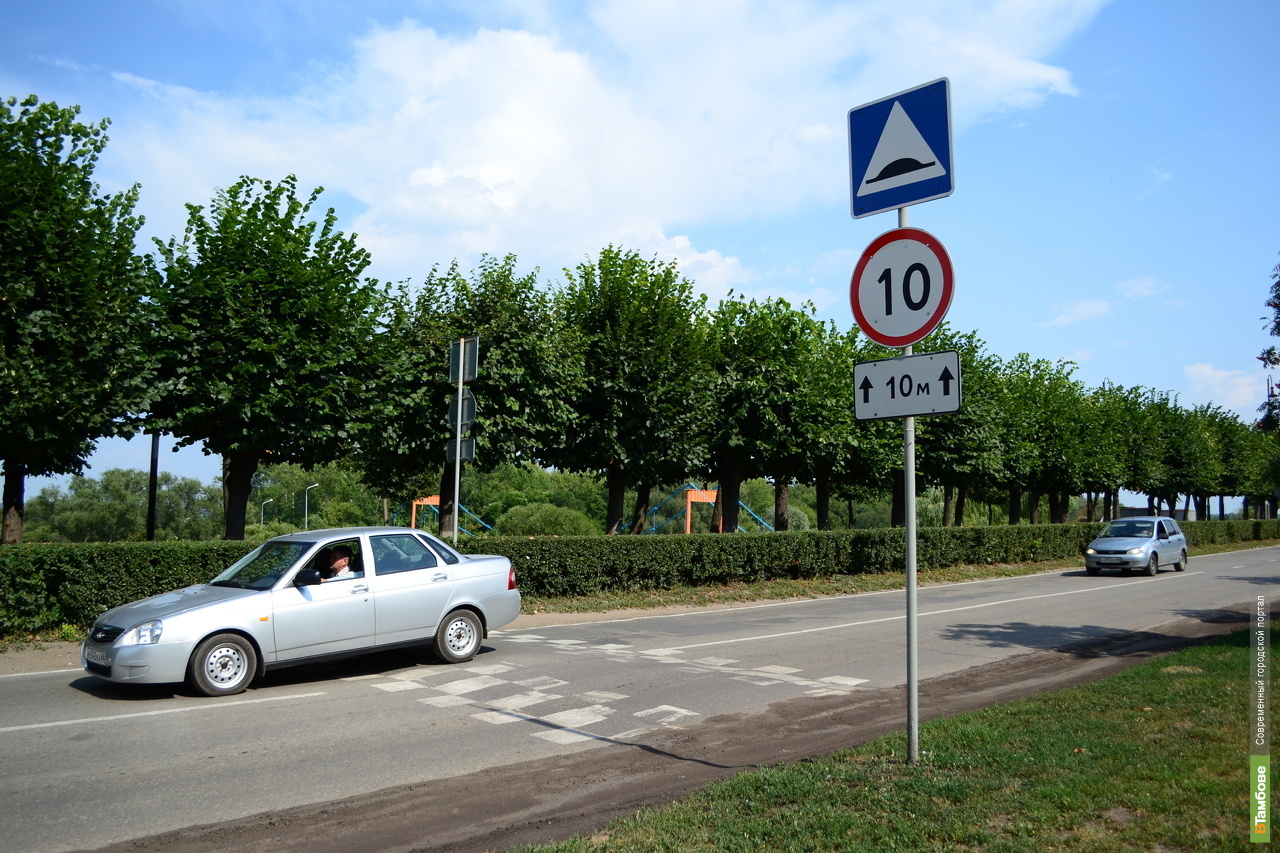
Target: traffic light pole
(457, 449)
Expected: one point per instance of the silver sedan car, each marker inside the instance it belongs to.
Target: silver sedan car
(1140, 543)
(306, 597)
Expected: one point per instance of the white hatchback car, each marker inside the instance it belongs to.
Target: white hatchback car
(283, 604)
(1140, 543)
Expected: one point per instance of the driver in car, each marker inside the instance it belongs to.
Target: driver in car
(339, 564)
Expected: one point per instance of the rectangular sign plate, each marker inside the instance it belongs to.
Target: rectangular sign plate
(907, 386)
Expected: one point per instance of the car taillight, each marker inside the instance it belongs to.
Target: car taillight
(511, 578)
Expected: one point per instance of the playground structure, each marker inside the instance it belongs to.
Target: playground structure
(432, 502)
(694, 495)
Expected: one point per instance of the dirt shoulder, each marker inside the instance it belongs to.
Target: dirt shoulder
(556, 798)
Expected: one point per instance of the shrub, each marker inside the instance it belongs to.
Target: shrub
(544, 519)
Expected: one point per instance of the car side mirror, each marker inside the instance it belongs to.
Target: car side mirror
(307, 577)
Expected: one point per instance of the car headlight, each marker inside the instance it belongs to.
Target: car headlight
(1090, 551)
(1135, 550)
(146, 634)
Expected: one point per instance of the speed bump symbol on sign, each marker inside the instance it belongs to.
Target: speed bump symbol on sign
(902, 286)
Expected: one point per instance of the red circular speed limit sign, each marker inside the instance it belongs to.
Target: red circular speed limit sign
(901, 288)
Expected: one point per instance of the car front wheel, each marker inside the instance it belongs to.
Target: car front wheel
(1153, 566)
(459, 637)
(1092, 570)
(222, 665)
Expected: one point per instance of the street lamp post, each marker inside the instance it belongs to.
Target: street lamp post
(306, 506)
(262, 512)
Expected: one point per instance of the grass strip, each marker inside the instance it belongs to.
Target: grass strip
(1154, 758)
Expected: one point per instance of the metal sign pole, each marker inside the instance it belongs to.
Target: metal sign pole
(457, 438)
(909, 510)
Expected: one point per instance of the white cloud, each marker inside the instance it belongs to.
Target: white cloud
(1232, 389)
(1075, 312)
(631, 127)
(1145, 285)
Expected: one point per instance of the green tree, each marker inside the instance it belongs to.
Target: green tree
(782, 399)
(530, 367)
(113, 508)
(73, 312)
(964, 450)
(269, 347)
(639, 415)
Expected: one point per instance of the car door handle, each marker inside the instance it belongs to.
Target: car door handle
(359, 589)
(439, 576)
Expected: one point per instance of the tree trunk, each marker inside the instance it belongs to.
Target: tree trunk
(643, 492)
(1015, 504)
(948, 505)
(961, 491)
(1033, 507)
(729, 474)
(1222, 508)
(781, 503)
(14, 502)
(616, 483)
(238, 468)
(822, 485)
(898, 509)
(448, 508)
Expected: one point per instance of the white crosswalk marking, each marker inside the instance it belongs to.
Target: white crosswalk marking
(603, 696)
(521, 700)
(446, 701)
(542, 683)
(578, 717)
(469, 685)
(666, 714)
(400, 686)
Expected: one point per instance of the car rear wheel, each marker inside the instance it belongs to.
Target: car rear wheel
(1153, 566)
(459, 637)
(222, 665)
(1181, 565)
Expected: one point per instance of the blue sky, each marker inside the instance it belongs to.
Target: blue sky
(1116, 189)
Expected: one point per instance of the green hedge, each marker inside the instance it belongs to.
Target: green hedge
(44, 586)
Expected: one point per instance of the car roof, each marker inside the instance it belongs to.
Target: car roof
(1145, 518)
(342, 533)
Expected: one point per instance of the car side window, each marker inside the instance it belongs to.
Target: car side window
(401, 552)
(340, 561)
(445, 554)
(1165, 532)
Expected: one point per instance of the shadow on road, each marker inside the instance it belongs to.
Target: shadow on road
(1085, 641)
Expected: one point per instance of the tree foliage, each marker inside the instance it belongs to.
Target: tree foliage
(73, 310)
(639, 415)
(269, 346)
(530, 367)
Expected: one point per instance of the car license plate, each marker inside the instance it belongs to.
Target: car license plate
(95, 656)
(1108, 559)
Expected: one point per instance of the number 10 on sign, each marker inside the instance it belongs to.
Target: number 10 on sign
(901, 288)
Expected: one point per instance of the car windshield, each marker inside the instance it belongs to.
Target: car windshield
(1128, 529)
(263, 566)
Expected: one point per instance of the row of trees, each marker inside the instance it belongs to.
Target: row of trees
(255, 335)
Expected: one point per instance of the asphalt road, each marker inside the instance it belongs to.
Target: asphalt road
(89, 764)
